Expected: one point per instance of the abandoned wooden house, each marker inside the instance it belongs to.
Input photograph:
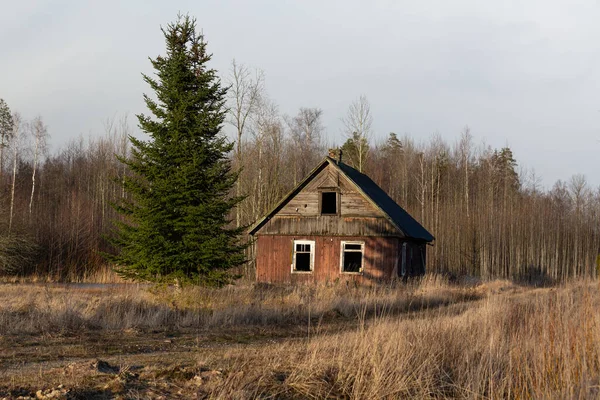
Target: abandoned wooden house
(338, 224)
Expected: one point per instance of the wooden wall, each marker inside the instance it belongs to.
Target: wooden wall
(357, 216)
(274, 259)
(306, 202)
(329, 225)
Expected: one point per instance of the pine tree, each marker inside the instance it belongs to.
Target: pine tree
(176, 225)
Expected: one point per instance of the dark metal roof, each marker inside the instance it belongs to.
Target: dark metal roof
(403, 220)
(372, 192)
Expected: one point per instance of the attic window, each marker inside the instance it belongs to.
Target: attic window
(329, 203)
(352, 257)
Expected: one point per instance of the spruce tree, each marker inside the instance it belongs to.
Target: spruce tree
(176, 225)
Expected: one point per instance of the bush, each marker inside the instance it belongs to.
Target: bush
(17, 254)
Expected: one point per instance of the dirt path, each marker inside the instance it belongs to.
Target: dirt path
(108, 365)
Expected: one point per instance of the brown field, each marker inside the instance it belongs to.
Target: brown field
(428, 339)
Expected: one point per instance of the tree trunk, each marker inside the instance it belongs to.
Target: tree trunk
(1, 154)
(35, 162)
(12, 191)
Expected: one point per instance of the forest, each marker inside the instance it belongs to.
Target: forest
(490, 216)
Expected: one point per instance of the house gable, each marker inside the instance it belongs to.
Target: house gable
(305, 203)
(299, 213)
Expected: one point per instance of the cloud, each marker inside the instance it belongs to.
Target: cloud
(519, 73)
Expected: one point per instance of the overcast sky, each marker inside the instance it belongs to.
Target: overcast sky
(522, 75)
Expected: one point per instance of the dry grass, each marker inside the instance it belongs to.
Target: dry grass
(424, 340)
(52, 308)
(103, 274)
(532, 344)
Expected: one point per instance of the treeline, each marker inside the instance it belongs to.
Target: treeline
(489, 218)
(55, 208)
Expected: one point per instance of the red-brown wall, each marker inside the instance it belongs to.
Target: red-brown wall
(274, 259)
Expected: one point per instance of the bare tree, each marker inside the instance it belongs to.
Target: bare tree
(246, 90)
(266, 131)
(6, 130)
(39, 133)
(122, 149)
(421, 184)
(579, 192)
(18, 129)
(358, 124)
(306, 131)
(465, 153)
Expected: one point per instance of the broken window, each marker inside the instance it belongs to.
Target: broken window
(329, 202)
(304, 256)
(352, 257)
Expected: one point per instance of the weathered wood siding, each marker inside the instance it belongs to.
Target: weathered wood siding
(357, 216)
(331, 225)
(274, 259)
(306, 202)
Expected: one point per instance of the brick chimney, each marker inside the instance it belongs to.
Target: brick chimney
(336, 154)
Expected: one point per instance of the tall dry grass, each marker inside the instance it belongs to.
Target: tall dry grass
(532, 344)
(104, 274)
(51, 308)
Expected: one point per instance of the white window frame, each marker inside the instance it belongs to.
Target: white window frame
(362, 259)
(312, 256)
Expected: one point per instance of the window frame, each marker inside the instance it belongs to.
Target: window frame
(338, 201)
(362, 258)
(312, 256)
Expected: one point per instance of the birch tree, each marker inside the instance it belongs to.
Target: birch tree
(266, 132)
(245, 91)
(306, 129)
(358, 124)
(39, 134)
(465, 154)
(6, 130)
(17, 136)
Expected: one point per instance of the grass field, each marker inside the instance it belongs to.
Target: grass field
(427, 339)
